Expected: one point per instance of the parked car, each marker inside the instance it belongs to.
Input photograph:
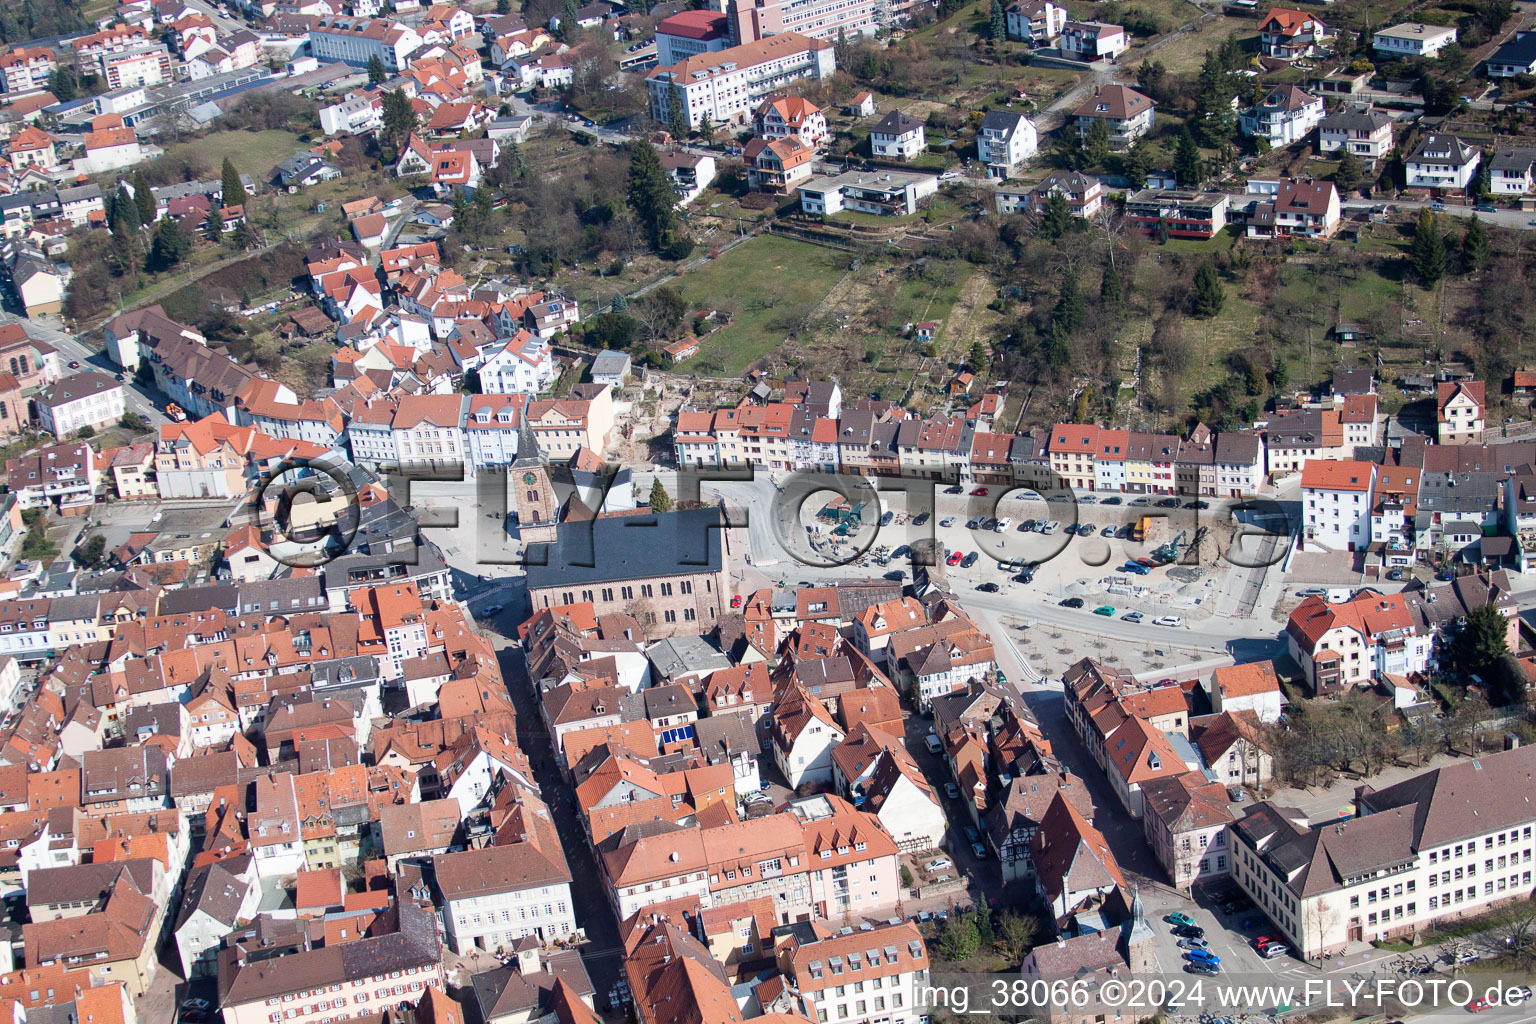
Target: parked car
(920, 519)
(974, 522)
(954, 558)
(1480, 1004)
(947, 521)
(1202, 967)
(1131, 617)
(969, 560)
(1397, 575)
(1106, 610)
(1027, 576)
(988, 588)
(1136, 569)
(1177, 919)
(1168, 503)
(952, 791)
(490, 610)
(978, 492)
(1027, 526)
(1141, 502)
(1486, 208)
(1193, 944)
(886, 519)
(939, 864)
(1189, 931)
(971, 834)
(1273, 950)
(979, 850)
(1086, 499)
(1168, 620)
(1264, 940)
(1202, 954)
(1108, 531)
(931, 741)
(1110, 501)
(1071, 602)
(1311, 592)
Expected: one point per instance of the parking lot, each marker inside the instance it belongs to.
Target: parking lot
(1227, 939)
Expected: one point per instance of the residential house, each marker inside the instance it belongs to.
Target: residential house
(1251, 687)
(778, 165)
(1004, 142)
(1186, 825)
(791, 115)
(1289, 34)
(1517, 56)
(1460, 412)
(1035, 21)
(1336, 499)
(1286, 114)
(1509, 170)
(897, 137)
(1360, 129)
(1127, 113)
(1412, 39)
(1443, 162)
(1093, 40)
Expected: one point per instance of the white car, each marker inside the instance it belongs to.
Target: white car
(938, 864)
(949, 175)
(931, 741)
(1167, 620)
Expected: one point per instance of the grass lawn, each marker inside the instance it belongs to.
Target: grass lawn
(1223, 241)
(769, 284)
(1186, 53)
(253, 153)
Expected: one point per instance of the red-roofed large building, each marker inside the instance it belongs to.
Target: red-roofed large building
(1348, 643)
(1336, 499)
(26, 69)
(690, 33)
(726, 86)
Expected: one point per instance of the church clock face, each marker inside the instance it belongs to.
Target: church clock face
(529, 478)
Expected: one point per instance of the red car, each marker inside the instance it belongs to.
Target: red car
(1264, 940)
(979, 492)
(736, 601)
(1479, 1004)
(954, 558)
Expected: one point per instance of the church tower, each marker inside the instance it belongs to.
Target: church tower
(533, 492)
(1137, 939)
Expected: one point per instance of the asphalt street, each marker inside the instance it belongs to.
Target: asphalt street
(71, 349)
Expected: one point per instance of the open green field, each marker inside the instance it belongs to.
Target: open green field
(253, 153)
(769, 285)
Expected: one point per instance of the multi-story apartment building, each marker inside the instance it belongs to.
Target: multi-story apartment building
(125, 56)
(428, 430)
(1073, 449)
(726, 86)
(564, 426)
(25, 70)
(819, 19)
(1336, 499)
(87, 399)
(312, 985)
(495, 896)
(1185, 823)
(1183, 214)
(1438, 847)
(524, 365)
(356, 41)
(688, 33)
(861, 977)
(1352, 642)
